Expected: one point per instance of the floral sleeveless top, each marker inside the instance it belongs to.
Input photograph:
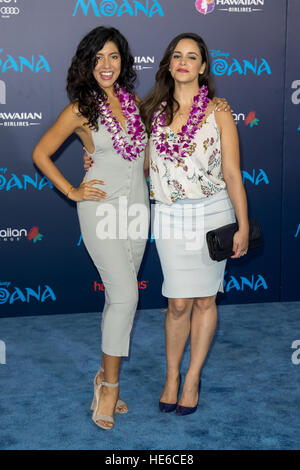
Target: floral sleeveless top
(196, 176)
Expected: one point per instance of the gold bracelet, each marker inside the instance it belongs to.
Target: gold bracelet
(72, 187)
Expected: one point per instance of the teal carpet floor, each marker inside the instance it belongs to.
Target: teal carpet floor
(250, 386)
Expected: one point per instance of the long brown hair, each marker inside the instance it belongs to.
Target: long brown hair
(164, 86)
(81, 84)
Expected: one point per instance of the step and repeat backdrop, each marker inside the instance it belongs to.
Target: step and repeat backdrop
(44, 266)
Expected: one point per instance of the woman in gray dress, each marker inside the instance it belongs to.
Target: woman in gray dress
(112, 200)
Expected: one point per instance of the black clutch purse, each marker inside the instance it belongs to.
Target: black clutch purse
(220, 240)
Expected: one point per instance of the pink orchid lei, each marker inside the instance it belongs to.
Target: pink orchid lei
(178, 150)
(129, 150)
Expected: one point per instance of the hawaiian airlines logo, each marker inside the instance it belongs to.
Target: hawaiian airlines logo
(144, 63)
(119, 7)
(20, 119)
(14, 234)
(231, 6)
(10, 294)
(249, 120)
(205, 6)
(238, 117)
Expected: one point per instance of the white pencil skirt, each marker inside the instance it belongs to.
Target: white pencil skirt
(180, 236)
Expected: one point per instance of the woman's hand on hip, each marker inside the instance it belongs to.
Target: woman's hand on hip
(240, 243)
(87, 192)
(87, 161)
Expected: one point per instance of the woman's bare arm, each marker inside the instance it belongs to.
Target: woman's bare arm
(233, 178)
(67, 122)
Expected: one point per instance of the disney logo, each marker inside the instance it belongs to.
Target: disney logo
(218, 53)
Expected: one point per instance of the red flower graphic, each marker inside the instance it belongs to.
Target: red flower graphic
(34, 234)
(251, 119)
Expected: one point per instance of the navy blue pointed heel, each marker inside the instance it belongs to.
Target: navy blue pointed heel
(169, 407)
(187, 410)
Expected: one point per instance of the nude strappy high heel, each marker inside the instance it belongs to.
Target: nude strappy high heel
(119, 402)
(101, 417)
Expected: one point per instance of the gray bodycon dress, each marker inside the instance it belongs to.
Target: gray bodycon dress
(116, 254)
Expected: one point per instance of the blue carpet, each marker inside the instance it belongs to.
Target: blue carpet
(249, 397)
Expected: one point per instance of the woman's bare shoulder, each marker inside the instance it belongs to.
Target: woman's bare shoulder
(71, 113)
(224, 117)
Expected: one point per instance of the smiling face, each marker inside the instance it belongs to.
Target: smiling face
(108, 65)
(186, 62)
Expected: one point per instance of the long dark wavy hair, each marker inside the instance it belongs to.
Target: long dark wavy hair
(81, 84)
(164, 86)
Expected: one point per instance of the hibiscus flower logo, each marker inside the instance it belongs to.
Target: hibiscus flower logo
(205, 6)
(251, 119)
(34, 235)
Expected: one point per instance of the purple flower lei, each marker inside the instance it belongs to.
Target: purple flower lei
(129, 150)
(177, 150)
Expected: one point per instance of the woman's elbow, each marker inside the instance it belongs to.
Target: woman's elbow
(34, 156)
(233, 178)
(37, 155)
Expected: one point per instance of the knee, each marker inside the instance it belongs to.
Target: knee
(128, 296)
(177, 308)
(203, 304)
(132, 297)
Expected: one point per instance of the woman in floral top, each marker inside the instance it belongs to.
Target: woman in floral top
(197, 186)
